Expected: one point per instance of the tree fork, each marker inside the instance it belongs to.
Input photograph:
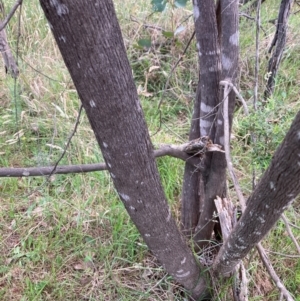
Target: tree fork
(90, 41)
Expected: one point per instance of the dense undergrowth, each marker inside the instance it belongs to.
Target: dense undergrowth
(69, 237)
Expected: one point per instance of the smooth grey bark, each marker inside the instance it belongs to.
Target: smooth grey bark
(90, 41)
(210, 68)
(191, 179)
(228, 37)
(276, 190)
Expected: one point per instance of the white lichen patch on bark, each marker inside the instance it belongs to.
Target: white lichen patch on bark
(183, 261)
(272, 186)
(26, 173)
(105, 144)
(220, 121)
(181, 274)
(234, 39)
(112, 175)
(226, 62)
(169, 215)
(240, 247)
(61, 9)
(147, 235)
(78, 65)
(124, 197)
(108, 164)
(206, 108)
(196, 11)
(62, 38)
(132, 208)
(92, 104)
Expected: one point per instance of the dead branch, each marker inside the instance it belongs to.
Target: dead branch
(68, 142)
(227, 89)
(264, 257)
(187, 152)
(11, 13)
(288, 228)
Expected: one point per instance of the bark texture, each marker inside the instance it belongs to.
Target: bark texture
(91, 44)
(210, 68)
(279, 40)
(228, 37)
(276, 190)
(190, 190)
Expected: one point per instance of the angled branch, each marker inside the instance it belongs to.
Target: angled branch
(187, 152)
(11, 13)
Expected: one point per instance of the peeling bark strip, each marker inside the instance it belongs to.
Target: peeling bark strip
(278, 40)
(276, 190)
(90, 41)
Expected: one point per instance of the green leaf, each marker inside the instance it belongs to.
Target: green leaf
(145, 43)
(180, 3)
(168, 34)
(159, 5)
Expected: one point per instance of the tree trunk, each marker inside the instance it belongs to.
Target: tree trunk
(276, 190)
(191, 179)
(228, 36)
(278, 40)
(90, 41)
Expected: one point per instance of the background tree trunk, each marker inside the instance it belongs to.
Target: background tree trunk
(91, 44)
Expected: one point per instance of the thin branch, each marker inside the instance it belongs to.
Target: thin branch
(294, 226)
(186, 152)
(9, 16)
(259, 247)
(227, 147)
(168, 81)
(288, 228)
(237, 93)
(68, 142)
(272, 273)
(283, 254)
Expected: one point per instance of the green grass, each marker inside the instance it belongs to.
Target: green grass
(70, 238)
